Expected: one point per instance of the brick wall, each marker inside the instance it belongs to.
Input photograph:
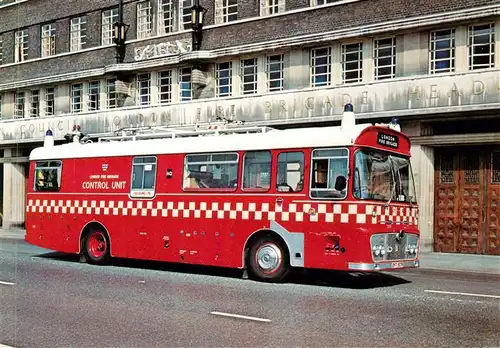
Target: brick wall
(267, 28)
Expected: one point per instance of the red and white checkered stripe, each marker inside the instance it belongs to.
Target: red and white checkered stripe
(347, 213)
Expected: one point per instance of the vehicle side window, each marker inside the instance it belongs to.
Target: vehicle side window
(48, 176)
(290, 175)
(257, 170)
(143, 177)
(211, 171)
(329, 173)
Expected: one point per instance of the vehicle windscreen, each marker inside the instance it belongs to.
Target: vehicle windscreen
(382, 176)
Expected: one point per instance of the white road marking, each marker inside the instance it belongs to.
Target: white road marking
(461, 293)
(240, 316)
(4, 346)
(6, 283)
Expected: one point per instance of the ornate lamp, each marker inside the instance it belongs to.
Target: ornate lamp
(197, 17)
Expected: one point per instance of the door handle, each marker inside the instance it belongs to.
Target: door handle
(279, 201)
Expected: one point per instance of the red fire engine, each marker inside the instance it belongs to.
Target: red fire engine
(266, 200)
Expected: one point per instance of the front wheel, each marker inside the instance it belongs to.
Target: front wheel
(96, 247)
(268, 260)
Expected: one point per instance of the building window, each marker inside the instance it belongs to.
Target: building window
(77, 97)
(384, 58)
(1, 50)
(19, 105)
(226, 11)
(249, 76)
(143, 177)
(212, 171)
(165, 87)
(49, 101)
(442, 51)
(165, 16)
(144, 19)
(481, 46)
(257, 170)
(321, 65)
(1, 111)
(352, 63)
(274, 73)
(224, 79)
(111, 93)
(21, 46)
(269, 7)
(144, 88)
(48, 40)
(185, 14)
(109, 17)
(35, 103)
(94, 95)
(78, 30)
(185, 84)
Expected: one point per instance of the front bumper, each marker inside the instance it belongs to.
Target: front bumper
(380, 266)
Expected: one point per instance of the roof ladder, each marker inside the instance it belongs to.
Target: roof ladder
(165, 132)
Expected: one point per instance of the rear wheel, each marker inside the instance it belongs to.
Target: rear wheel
(268, 260)
(96, 246)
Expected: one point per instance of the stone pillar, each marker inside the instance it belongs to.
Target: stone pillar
(422, 163)
(14, 193)
(423, 171)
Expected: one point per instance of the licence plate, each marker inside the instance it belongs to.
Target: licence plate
(397, 265)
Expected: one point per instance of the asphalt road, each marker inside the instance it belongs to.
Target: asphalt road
(51, 300)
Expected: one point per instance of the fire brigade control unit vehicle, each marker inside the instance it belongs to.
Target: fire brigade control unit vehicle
(257, 198)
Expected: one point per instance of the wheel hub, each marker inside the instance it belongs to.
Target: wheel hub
(269, 257)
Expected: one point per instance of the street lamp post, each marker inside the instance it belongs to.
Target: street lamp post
(197, 17)
(120, 30)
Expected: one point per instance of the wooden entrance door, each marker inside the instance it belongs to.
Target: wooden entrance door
(467, 194)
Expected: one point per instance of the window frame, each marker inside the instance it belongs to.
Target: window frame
(143, 193)
(434, 39)
(471, 45)
(271, 173)
(208, 189)
(344, 53)
(59, 174)
(311, 173)
(303, 174)
(377, 47)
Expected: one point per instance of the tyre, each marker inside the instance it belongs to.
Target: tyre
(268, 260)
(96, 247)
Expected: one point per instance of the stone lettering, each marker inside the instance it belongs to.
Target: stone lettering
(364, 98)
(328, 103)
(116, 121)
(220, 111)
(455, 90)
(283, 105)
(269, 107)
(434, 92)
(478, 88)
(232, 111)
(309, 104)
(198, 114)
(346, 98)
(414, 92)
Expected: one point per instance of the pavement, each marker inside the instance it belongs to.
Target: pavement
(473, 263)
(51, 300)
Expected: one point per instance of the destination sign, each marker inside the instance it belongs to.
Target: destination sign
(387, 140)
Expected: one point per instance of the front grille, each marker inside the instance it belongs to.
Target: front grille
(387, 246)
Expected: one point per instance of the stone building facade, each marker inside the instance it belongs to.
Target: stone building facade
(435, 65)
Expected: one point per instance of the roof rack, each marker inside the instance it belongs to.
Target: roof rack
(161, 132)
